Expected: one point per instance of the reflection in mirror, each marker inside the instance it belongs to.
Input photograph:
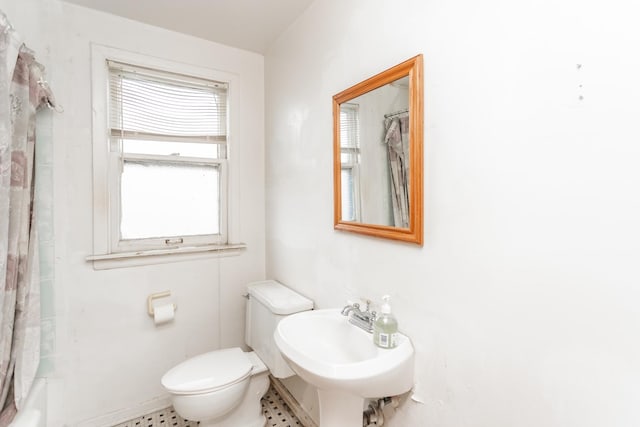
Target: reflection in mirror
(374, 154)
(350, 161)
(377, 155)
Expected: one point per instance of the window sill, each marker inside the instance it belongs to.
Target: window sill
(162, 256)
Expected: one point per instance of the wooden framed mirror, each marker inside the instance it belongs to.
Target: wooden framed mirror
(378, 155)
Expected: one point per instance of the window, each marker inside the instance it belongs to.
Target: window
(167, 144)
(350, 159)
(162, 176)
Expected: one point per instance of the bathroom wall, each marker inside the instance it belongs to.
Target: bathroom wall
(107, 356)
(522, 304)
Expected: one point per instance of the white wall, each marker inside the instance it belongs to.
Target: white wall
(522, 304)
(109, 356)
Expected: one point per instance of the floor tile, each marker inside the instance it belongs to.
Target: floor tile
(275, 410)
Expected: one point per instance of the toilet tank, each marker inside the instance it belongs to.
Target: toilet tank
(269, 302)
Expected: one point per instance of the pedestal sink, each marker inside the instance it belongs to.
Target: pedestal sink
(340, 359)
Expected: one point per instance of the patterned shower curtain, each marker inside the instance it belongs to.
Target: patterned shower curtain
(22, 91)
(397, 140)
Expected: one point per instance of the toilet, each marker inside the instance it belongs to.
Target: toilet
(223, 388)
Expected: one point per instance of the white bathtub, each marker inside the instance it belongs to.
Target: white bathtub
(34, 411)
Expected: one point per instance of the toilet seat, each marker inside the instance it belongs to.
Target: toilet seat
(208, 372)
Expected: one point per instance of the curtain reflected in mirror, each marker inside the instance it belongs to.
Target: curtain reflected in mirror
(375, 167)
(396, 139)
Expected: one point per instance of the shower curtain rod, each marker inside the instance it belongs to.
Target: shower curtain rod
(406, 110)
(47, 94)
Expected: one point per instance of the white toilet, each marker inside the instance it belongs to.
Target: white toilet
(223, 388)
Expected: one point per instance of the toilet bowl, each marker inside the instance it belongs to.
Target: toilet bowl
(223, 388)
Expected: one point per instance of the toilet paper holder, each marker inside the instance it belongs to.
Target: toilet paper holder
(155, 296)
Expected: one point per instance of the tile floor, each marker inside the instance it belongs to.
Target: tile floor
(275, 410)
(163, 418)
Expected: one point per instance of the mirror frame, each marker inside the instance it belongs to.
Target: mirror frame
(414, 234)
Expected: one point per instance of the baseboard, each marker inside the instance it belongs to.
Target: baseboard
(120, 416)
(293, 404)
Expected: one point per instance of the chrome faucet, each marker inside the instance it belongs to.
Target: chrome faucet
(362, 319)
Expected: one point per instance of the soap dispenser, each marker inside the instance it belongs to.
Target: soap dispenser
(385, 328)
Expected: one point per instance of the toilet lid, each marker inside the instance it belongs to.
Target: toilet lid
(208, 371)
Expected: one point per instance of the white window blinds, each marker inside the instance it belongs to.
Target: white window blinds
(349, 128)
(151, 105)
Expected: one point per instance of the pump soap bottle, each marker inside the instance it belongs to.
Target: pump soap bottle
(385, 328)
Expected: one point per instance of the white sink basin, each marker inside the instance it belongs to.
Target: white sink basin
(340, 359)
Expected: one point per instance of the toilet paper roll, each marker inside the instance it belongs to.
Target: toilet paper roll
(163, 314)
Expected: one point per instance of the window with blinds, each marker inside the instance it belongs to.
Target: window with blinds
(350, 159)
(168, 143)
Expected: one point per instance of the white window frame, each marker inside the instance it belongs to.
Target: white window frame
(355, 179)
(109, 251)
(127, 245)
(353, 164)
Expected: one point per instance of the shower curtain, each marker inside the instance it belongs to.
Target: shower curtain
(397, 140)
(22, 91)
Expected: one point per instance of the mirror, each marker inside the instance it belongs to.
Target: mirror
(378, 156)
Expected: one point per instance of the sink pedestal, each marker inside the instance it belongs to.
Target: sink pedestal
(343, 363)
(340, 409)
